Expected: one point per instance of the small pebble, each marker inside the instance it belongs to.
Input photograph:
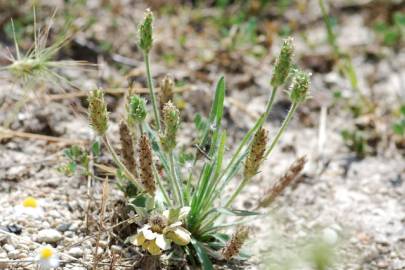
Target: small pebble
(9, 248)
(64, 227)
(76, 252)
(49, 236)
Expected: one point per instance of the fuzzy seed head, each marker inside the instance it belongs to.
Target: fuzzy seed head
(98, 115)
(300, 87)
(145, 161)
(235, 244)
(146, 32)
(256, 154)
(127, 148)
(166, 91)
(293, 171)
(171, 119)
(137, 109)
(283, 63)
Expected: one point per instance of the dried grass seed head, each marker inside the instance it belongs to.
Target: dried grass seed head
(127, 148)
(146, 163)
(166, 90)
(98, 115)
(256, 154)
(233, 247)
(293, 171)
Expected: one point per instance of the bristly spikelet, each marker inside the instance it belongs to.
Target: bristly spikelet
(127, 148)
(145, 161)
(256, 154)
(146, 32)
(166, 91)
(235, 244)
(299, 89)
(98, 115)
(283, 63)
(293, 171)
(171, 119)
(39, 64)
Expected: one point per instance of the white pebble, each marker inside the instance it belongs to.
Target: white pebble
(49, 236)
(76, 252)
(330, 236)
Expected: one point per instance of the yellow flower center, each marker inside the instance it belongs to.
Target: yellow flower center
(46, 253)
(30, 202)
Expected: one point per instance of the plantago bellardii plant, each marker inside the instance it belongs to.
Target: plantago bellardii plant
(184, 210)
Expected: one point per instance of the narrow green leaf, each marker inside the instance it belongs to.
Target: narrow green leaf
(218, 104)
(236, 212)
(202, 255)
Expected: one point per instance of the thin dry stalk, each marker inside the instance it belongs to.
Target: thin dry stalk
(7, 133)
(293, 171)
(89, 192)
(103, 205)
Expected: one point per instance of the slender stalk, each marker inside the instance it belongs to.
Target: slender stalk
(329, 29)
(280, 132)
(151, 90)
(159, 181)
(118, 162)
(241, 185)
(345, 62)
(175, 180)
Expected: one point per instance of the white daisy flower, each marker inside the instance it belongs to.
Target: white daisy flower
(47, 258)
(31, 207)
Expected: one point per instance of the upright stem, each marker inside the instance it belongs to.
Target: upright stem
(250, 133)
(280, 132)
(242, 184)
(164, 192)
(117, 161)
(151, 90)
(175, 180)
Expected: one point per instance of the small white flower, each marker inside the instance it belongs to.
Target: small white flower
(47, 258)
(30, 207)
